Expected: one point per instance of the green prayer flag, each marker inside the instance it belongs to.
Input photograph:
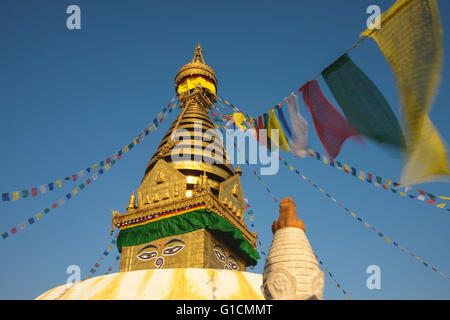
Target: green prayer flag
(362, 103)
(25, 193)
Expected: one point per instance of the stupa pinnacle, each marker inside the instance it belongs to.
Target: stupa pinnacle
(189, 208)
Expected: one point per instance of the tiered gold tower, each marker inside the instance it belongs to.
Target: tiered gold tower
(189, 209)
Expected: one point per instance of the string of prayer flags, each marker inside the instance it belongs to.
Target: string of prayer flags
(51, 207)
(384, 183)
(51, 186)
(332, 277)
(102, 167)
(367, 225)
(299, 141)
(332, 128)
(363, 104)
(105, 253)
(115, 262)
(410, 39)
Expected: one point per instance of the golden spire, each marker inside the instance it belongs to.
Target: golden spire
(198, 57)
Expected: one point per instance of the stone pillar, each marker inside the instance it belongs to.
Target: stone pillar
(291, 271)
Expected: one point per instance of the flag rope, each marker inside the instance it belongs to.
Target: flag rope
(54, 185)
(277, 202)
(32, 220)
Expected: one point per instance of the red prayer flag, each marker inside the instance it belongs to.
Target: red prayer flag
(332, 127)
(14, 230)
(54, 206)
(74, 177)
(96, 265)
(34, 192)
(88, 181)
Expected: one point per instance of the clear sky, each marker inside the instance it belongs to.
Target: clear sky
(70, 98)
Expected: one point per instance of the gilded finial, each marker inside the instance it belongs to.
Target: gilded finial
(238, 170)
(132, 202)
(198, 57)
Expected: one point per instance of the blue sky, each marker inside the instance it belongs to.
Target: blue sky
(69, 99)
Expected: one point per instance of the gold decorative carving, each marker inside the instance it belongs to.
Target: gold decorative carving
(231, 196)
(202, 184)
(115, 220)
(162, 184)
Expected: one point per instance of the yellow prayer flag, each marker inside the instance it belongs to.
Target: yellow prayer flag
(109, 247)
(291, 167)
(39, 215)
(445, 198)
(192, 82)
(95, 166)
(58, 182)
(75, 191)
(238, 119)
(427, 159)
(107, 166)
(273, 123)
(388, 240)
(125, 150)
(441, 205)
(402, 193)
(15, 195)
(410, 38)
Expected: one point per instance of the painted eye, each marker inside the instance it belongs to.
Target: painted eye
(144, 256)
(172, 250)
(233, 265)
(220, 256)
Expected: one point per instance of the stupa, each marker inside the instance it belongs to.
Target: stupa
(183, 234)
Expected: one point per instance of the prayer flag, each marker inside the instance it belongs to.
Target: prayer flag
(273, 124)
(332, 128)
(299, 140)
(410, 38)
(363, 104)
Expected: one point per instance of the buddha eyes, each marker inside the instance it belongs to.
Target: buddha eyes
(228, 265)
(172, 250)
(232, 265)
(144, 256)
(220, 256)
